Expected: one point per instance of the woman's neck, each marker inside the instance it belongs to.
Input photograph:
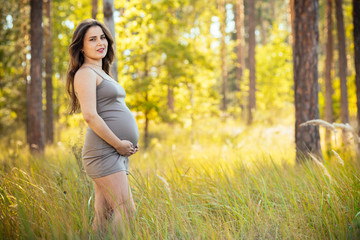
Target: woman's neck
(97, 64)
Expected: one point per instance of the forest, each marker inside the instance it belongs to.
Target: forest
(248, 113)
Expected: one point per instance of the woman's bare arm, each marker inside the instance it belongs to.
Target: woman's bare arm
(85, 88)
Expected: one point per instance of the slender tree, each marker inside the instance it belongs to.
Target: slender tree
(272, 10)
(49, 113)
(261, 12)
(239, 21)
(356, 21)
(94, 9)
(171, 62)
(328, 67)
(224, 74)
(108, 10)
(252, 84)
(306, 40)
(291, 17)
(35, 118)
(146, 98)
(342, 62)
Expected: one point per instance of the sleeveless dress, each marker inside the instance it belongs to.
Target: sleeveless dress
(100, 158)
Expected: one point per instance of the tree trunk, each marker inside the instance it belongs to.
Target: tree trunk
(147, 120)
(328, 68)
(108, 6)
(251, 22)
(356, 21)
(306, 40)
(342, 63)
(26, 69)
(239, 9)
(49, 115)
(223, 54)
(262, 25)
(36, 122)
(291, 17)
(94, 8)
(272, 9)
(170, 96)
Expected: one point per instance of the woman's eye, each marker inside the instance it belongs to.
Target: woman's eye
(92, 39)
(103, 37)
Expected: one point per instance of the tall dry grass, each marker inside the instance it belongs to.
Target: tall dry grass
(231, 182)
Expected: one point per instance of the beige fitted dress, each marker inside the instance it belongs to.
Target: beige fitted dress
(100, 158)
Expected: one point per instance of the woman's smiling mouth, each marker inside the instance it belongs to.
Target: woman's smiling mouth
(101, 50)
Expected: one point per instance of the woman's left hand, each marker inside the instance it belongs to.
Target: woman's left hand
(136, 149)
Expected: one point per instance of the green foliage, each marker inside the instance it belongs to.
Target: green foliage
(14, 20)
(160, 47)
(274, 72)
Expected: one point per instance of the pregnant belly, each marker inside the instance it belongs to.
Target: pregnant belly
(124, 127)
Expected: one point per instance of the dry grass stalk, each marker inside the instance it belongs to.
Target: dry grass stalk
(345, 127)
(166, 186)
(338, 157)
(322, 166)
(319, 122)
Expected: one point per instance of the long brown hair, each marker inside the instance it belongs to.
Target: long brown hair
(77, 57)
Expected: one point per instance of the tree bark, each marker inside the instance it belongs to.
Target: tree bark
(49, 114)
(108, 6)
(291, 17)
(328, 68)
(262, 25)
(272, 9)
(239, 21)
(342, 63)
(36, 122)
(306, 41)
(251, 22)
(170, 96)
(223, 54)
(94, 8)
(147, 120)
(356, 21)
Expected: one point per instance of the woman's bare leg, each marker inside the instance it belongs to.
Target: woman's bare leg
(115, 189)
(132, 204)
(102, 210)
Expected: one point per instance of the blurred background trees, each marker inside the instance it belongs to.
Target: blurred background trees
(182, 61)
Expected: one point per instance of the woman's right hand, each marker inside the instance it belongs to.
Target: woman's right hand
(126, 148)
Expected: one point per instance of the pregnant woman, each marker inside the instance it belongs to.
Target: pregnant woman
(112, 134)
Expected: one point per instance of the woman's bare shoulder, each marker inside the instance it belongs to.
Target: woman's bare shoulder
(84, 75)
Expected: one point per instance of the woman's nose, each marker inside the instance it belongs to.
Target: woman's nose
(100, 41)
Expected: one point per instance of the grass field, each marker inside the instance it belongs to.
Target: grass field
(224, 182)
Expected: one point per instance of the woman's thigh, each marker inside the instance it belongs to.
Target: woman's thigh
(115, 188)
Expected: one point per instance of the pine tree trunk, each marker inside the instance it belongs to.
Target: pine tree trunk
(147, 120)
(251, 23)
(291, 17)
(342, 63)
(239, 9)
(108, 10)
(356, 21)
(26, 69)
(223, 54)
(262, 26)
(272, 9)
(49, 115)
(170, 96)
(328, 68)
(94, 8)
(306, 41)
(36, 122)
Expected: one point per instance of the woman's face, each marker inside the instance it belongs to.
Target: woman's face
(95, 43)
